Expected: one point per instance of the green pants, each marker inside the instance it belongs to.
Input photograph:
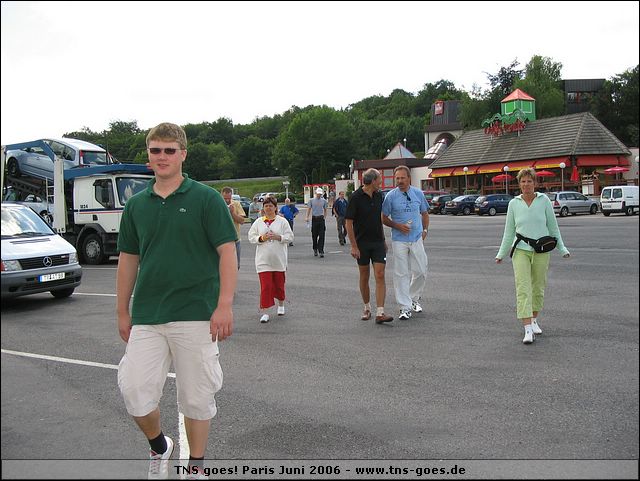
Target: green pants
(530, 272)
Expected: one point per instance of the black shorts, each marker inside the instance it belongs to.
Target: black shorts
(372, 252)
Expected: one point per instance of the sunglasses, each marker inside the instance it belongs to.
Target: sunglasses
(406, 194)
(167, 150)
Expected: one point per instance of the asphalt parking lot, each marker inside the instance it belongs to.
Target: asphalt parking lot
(452, 383)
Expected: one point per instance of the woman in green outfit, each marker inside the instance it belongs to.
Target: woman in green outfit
(531, 215)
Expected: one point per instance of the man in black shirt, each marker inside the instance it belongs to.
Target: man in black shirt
(366, 235)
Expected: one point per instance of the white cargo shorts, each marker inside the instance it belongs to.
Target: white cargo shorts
(144, 367)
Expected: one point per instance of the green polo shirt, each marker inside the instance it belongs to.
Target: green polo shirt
(176, 239)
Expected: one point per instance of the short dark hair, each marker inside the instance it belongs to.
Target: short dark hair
(402, 167)
(270, 200)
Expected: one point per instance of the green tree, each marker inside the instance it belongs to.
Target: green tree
(543, 81)
(616, 106)
(253, 157)
(320, 138)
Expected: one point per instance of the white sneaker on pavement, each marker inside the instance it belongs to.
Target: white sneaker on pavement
(529, 336)
(415, 305)
(281, 310)
(535, 327)
(159, 463)
(404, 314)
(264, 318)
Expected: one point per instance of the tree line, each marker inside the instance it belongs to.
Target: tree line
(316, 143)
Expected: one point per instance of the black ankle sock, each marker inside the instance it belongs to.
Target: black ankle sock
(196, 462)
(159, 444)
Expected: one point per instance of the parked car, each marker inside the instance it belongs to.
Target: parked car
(430, 194)
(619, 198)
(438, 203)
(263, 195)
(463, 204)
(569, 202)
(34, 258)
(244, 202)
(492, 204)
(33, 161)
(38, 204)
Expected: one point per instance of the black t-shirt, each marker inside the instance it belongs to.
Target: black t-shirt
(365, 212)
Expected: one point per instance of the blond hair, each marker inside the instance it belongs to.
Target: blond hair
(527, 172)
(168, 132)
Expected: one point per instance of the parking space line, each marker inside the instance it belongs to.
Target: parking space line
(184, 445)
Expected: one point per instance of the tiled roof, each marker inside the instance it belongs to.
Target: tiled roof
(576, 134)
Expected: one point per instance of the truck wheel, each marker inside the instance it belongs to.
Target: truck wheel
(628, 210)
(606, 214)
(13, 168)
(594, 209)
(62, 293)
(93, 250)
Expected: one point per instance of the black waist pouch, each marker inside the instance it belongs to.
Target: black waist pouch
(544, 244)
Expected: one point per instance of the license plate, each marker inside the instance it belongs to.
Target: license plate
(51, 277)
(477, 209)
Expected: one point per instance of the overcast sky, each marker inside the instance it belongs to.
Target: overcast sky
(66, 66)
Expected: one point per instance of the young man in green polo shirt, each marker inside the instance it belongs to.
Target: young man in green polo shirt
(177, 247)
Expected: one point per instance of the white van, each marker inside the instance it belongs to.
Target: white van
(619, 198)
(34, 258)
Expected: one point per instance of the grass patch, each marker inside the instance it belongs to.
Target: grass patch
(251, 187)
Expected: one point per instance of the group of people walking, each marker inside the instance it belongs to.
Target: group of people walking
(179, 247)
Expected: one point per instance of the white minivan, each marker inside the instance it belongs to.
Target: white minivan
(619, 198)
(34, 258)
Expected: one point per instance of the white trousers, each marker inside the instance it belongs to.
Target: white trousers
(409, 271)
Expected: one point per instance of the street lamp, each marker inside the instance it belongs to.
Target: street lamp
(506, 177)
(562, 166)
(286, 186)
(465, 169)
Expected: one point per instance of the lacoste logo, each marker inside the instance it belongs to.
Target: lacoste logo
(182, 209)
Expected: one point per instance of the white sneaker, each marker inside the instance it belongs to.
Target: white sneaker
(415, 305)
(535, 328)
(264, 318)
(281, 310)
(159, 463)
(529, 337)
(404, 314)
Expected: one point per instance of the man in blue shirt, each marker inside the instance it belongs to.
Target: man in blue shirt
(339, 210)
(289, 211)
(406, 211)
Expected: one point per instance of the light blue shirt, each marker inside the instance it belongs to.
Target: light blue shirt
(534, 221)
(403, 207)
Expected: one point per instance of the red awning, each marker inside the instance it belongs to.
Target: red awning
(552, 162)
(443, 172)
(490, 168)
(460, 170)
(594, 160)
(522, 164)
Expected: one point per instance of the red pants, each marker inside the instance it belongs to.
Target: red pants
(271, 286)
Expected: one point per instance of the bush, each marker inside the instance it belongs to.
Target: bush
(281, 196)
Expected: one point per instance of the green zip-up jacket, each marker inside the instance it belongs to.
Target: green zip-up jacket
(534, 221)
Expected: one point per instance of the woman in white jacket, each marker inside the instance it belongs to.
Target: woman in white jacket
(272, 234)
